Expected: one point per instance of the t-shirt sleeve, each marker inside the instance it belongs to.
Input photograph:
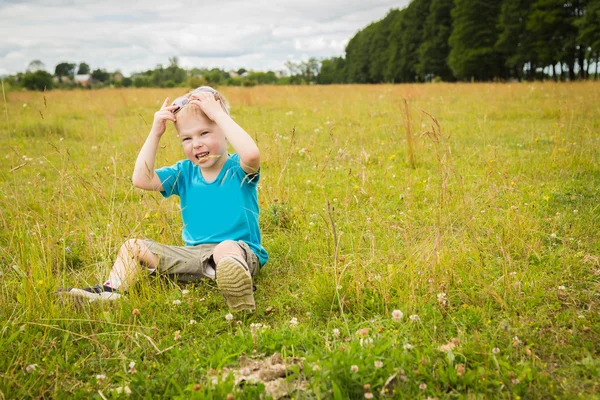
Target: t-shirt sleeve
(171, 179)
(248, 179)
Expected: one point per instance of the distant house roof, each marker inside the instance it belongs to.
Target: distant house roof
(83, 78)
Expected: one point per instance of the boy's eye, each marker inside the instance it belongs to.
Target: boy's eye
(204, 134)
(186, 139)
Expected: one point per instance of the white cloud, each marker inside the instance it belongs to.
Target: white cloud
(138, 35)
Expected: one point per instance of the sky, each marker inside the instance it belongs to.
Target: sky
(134, 36)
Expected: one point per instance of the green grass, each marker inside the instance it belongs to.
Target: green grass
(492, 240)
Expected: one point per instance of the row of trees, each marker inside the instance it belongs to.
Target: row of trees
(477, 40)
(37, 78)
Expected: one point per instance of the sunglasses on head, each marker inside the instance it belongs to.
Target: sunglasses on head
(180, 102)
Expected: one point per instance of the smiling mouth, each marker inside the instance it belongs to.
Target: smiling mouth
(202, 156)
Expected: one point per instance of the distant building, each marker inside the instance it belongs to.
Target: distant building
(61, 79)
(281, 73)
(83, 80)
(233, 74)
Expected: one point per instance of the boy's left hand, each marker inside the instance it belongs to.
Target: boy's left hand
(209, 105)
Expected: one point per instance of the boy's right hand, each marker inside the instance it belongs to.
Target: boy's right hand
(159, 126)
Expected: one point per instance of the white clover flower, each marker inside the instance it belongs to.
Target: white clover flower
(354, 368)
(192, 321)
(176, 302)
(553, 235)
(397, 315)
(378, 364)
(336, 333)
(229, 317)
(294, 322)
(495, 350)
(408, 346)
(100, 377)
(316, 367)
(562, 287)
(31, 367)
(123, 389)
(366, 341)
(414, 318)
(368, 395)
(184, 292)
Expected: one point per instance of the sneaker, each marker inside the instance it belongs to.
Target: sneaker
(94, 293)
(235, 282)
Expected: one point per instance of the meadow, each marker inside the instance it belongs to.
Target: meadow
(425, 241)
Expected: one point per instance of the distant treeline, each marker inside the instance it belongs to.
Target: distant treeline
(474, 40)
(69, 75)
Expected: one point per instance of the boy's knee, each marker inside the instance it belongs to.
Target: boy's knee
(224, 248)
(132, 247)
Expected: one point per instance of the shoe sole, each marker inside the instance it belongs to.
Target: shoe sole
(82, 295)
(235, 283)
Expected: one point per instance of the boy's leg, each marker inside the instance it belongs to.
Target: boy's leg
(123, 273)
(234, 277)
(126, 267)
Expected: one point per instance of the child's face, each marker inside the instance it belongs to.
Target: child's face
(203, 141)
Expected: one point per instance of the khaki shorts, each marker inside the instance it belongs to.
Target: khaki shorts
(192, 263)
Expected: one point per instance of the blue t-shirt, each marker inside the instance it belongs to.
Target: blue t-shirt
(225, 209)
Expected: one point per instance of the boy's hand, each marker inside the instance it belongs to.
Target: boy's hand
(159, 126)
(209, 105)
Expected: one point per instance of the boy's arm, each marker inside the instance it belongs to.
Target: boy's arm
(144, 176)
(241, 142)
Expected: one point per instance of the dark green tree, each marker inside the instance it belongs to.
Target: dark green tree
(83, 69)
(100, 75)
(434, 50)
(552, 25)
(393, 69)
(378, 48)
(474, 35)
(64, 69)
(38, 80)
(515, 42)
(358, 54)
(412, 37)
(333, 70)
(589, 34)
(174, 72)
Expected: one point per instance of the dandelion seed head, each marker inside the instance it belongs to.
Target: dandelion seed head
(229, 317)
(397, 315)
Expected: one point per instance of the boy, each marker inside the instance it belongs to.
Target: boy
(219, 204)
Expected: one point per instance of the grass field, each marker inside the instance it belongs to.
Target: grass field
(487, 240)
